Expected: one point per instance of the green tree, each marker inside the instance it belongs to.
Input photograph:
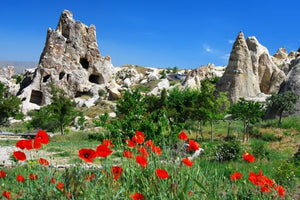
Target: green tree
(282, 102)
(9, 106)
(60, 113)
(249, 112)
(175, 69)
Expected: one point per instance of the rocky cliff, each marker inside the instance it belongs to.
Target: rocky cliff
(70, 60)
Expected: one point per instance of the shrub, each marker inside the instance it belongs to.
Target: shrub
(226, 151)
(296, 157)
(259, 149)
(285, 174)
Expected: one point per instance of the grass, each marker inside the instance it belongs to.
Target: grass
(207, 179)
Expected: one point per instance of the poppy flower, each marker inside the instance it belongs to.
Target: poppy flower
(280, 190)
(161, 173)
(89, 177)
(107, 142)
(265, 189)
(137, 196)
(28, 144)
(42, 137)
(248, 157)
(183, 136)
(60, 186)
(235, 176)
(139, 137)
(103, 151)
(116, 171)
(19, 155)
(130, 143)
(2, 174)
(20, 178)
(87, 154)
(156, 150)
(53, 181)
(187, 162)
(36, 144)
(33, 177)
(143, 151)
(43, 161)
(128, 154)
(21, 144)
(149, 143)
(193, 146)
(141, 160)
(6, 194)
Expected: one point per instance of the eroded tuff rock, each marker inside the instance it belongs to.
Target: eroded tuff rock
(292, 82)
(70, 60)
(6, 74)
(239, 78)
(250, 71)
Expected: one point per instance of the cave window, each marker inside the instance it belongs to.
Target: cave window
(46, 78)
(68, 77)
(84, 63)
(95, 78)
(36, 97)
(80, 94)
(61, 75)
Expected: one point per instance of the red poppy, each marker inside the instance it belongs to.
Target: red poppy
(117, 171)
(139, 137)
(33, 176)
(53, 181)
(235, 176)
(137, 196)
(36, 145)
(128, 154)
(21, 144)
(193, 146)
(161, 173)
(265, 189)
(108, 143)
(19, 155)
(156, 150)
(28, 144)
(42, 137)
(248, 157)
(187, 162)
(103, 151)
(6, 194)
(130, 143)
(143, 151)
(89, 177)
(20, 178)
(2, 174)
(43, 161)
(149, 143)
(260, 180)
(183, 136)
(280, 190)
(60, 186)
(87, 154)
(141, 160)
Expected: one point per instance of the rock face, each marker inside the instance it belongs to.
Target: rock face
(250, 71)
(70, 60)
(194, 77)
(239, 78)
(6, 74)
(292, 82)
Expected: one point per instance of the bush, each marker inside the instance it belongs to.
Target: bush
(285, 174)
(296, 157)
(259, 149)
(226, 151)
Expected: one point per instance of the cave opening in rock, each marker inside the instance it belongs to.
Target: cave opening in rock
(45, 78)
(68, 77)
(83, 94)
(36, 97)
(84, 63)
(61, 75)
(96, 78)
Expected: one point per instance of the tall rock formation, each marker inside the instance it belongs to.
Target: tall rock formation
(292, 82)
(70, 60)
(250, 71)
(239, 78)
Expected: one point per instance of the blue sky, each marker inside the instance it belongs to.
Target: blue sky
(153, 33)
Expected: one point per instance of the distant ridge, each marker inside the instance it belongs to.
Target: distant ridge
(20, 66)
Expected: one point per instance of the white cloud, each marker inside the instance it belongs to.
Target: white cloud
(230, 41)
(207, 48)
